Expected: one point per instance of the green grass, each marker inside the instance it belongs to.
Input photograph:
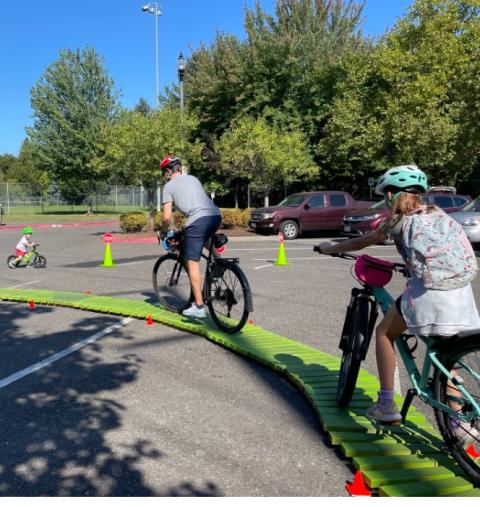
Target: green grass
(56, 214)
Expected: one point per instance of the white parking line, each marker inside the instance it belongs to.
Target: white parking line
(265, 265)
(63, 353)
(23, 284)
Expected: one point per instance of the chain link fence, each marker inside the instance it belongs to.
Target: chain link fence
(19, 198)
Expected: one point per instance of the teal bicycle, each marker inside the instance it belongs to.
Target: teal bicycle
(448, 381)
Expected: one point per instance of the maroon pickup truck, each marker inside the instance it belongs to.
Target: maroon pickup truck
(307, 211)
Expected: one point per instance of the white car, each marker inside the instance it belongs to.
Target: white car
(469, 217)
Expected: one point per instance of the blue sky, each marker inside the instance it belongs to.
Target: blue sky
(32, 33)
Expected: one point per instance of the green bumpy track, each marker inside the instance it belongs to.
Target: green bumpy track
(398, 461)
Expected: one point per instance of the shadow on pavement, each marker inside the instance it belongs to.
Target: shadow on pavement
(55, 422)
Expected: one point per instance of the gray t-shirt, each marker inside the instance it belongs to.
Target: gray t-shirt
(188, 195)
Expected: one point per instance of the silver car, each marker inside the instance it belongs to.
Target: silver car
(469, 217)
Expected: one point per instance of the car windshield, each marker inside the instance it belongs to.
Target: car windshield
(472, 205)
(293, 200)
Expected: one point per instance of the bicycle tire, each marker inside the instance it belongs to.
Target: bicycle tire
(465, 351)
(227, 297)
(171, 283)
(11, 258)
(40, 262)
(357, 329)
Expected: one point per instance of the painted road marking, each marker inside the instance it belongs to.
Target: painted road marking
(24, 284)
(63, 353)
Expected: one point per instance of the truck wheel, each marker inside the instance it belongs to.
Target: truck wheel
(290, 229)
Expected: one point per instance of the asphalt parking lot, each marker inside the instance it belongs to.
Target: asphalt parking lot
(147, 411)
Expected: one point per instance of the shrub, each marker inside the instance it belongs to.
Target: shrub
(230, 217)
(178, 220)
(133, 221)
(245, 217)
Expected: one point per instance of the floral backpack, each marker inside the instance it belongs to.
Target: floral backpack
(437, 250)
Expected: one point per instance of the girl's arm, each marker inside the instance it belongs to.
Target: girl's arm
(350, 245)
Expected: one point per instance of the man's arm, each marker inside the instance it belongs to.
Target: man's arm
(166, 216)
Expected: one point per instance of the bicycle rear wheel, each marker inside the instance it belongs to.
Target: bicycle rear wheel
(355, 332)
(228, 296)
(171, 283)
(464, 359)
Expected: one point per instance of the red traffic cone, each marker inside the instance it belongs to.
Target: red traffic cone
(358, 487)
(150, 321)
(31, 304)
(471, 451)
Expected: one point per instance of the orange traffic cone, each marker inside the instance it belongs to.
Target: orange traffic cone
(31, 304)
(150, 321)
(358, 487)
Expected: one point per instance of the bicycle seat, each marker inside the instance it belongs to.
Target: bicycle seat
(219, 240)
(446, 341)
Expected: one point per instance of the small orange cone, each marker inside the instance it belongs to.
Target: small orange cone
(150, 321)
(88, 292)
(31, 304)
(358, 487)
(471, 451)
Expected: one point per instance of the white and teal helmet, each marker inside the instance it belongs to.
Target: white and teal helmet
(404, 178)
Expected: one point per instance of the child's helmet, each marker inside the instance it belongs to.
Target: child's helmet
(27, 230)
(404, 178)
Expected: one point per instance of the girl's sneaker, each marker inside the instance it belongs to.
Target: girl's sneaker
(467, 434)
(194, 311)
(385, 413)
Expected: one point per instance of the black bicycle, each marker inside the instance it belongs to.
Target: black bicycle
(226, 290)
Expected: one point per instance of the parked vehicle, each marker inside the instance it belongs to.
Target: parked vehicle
(469, 218)
(306, 211)
(361, 221)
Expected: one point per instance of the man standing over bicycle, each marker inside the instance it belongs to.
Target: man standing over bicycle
(203, 219)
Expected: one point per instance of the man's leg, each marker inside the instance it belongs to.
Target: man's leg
(193, 268)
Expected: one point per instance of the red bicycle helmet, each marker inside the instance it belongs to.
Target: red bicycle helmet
(169, 163)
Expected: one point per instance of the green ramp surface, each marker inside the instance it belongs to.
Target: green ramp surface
(402, 460)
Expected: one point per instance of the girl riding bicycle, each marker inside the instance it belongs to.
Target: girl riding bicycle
(420, 309)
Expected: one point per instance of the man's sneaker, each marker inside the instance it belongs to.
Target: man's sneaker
(467, 434)
(387, 413)
(194, 311)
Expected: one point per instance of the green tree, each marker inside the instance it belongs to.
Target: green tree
(71, 102)
(264, 155)
(133, 146)
(7, 161)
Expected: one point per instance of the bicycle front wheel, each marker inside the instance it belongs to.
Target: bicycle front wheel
(228, 296)
(355, 331)
(171, 283)
(461, 438)
(40, 262)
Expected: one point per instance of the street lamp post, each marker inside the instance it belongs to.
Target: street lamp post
(181, 71)
(154, 9)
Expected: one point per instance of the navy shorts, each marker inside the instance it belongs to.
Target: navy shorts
(196, 235)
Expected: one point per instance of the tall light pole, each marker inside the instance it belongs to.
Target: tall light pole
(181, 71)
(154, 9)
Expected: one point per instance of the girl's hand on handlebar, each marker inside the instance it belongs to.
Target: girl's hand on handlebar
(322, 248)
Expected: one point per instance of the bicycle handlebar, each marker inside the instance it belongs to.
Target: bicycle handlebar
(399, 267)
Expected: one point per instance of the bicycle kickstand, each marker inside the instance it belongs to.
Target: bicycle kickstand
(411, 393)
